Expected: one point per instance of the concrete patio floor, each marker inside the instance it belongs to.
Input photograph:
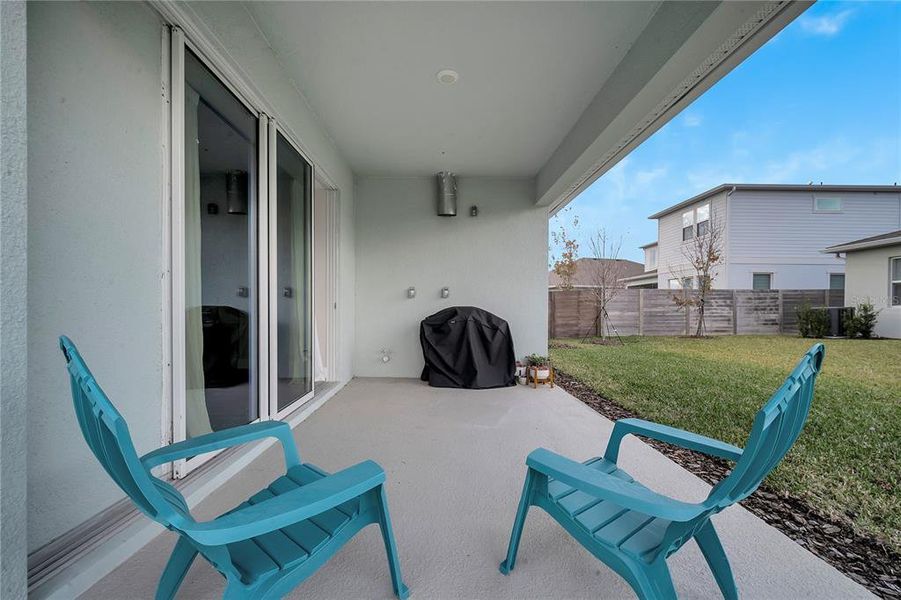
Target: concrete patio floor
(455, 465)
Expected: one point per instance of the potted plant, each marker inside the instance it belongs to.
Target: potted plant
(520, 372)
(539, 367)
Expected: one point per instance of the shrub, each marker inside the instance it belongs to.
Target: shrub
(861, 321)
(812, 322)
(537, 360)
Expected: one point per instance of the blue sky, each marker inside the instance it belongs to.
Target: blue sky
(821, 101)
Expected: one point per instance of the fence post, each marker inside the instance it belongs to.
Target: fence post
(640, 311)
(552, 321)
(734, 314)
(781, 313)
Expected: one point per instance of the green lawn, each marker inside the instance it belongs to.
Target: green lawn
(847, 462)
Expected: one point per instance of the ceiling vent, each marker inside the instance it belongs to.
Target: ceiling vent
(447, 194)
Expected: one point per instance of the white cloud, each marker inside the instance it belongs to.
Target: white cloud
(813, 164)
(692, 120)
(625, 194)
(750, 164)
(826, 25)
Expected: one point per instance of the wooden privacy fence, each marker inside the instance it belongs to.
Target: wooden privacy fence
(572, 313)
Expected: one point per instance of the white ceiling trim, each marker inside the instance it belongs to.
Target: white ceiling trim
(673, 102)
(182, 15)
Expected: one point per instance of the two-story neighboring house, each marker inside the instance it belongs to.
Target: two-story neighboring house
(772, 235)
(648, 278)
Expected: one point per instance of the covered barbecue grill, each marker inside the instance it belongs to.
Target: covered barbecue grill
(467, 347)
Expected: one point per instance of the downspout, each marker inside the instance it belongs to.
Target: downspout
(728, 242)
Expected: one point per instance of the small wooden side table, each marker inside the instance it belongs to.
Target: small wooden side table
(532, 376)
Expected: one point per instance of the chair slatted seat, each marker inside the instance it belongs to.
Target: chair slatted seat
(632, 528)
(264, 547)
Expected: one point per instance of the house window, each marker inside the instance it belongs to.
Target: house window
(675, 284)
(762, 281)
(827, 205)
(836, 281)
(650, 258)
(688, 283)
(688, 222)
(895, 276)
(703, 219)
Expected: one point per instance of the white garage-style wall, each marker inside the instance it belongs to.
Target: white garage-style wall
(496, 261)
(95, 240)
(867, 279)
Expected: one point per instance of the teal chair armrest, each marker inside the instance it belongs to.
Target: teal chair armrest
(670, 435)
(226, 438)
(601, 485)
(289, 508)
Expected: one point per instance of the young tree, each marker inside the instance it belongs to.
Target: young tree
(606, 277)
(702, 254)
(564, 242)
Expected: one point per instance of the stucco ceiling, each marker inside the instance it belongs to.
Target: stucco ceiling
(527, 72)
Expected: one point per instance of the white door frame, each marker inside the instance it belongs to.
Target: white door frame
(332, 209)
(175, 41)
(274, 131)
(178, 44)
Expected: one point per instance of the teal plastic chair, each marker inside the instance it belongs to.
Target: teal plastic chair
(633, 529)
(264, 547)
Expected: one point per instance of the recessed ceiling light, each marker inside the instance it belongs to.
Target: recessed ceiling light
(447, 76)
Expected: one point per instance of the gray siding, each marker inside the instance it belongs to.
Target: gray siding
(779, 233)
(671, 258)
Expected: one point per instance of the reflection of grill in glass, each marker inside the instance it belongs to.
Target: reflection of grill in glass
(226, 346)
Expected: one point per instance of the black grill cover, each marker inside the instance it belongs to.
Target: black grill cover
(467, 347)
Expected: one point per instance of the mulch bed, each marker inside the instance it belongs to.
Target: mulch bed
(865, 559)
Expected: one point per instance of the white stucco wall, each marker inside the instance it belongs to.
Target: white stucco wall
(867, 280)
(13, 295)
(94, 264)
(95, 228)
(496, 261)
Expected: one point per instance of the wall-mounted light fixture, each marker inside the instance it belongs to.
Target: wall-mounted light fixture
(447, 194)
(473, 211)
(445, 292)
(236, 192)
(411, 292)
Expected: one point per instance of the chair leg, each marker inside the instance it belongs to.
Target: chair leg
(524, 501)
(179, 562)
(400, 588)
(652, 581)
(712, 549)
(234, 590)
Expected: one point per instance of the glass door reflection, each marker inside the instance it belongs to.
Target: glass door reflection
(220, 222)
(293, 293)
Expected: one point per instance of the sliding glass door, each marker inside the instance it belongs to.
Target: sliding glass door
(242, 302)
(291, 301)
(220, 274)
